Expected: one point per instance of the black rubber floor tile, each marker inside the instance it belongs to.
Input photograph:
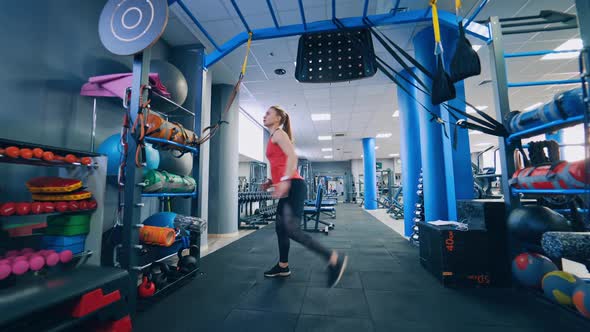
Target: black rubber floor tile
(335, 302)
(399, 280)
(350, 279)
(311, 323)
(275, 297)
(259, 321)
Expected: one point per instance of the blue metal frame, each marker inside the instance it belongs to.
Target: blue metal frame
(165, 141)
(475, 13)
(302, 12)
(196, 22)
(193, 194)
(233, 2)
(553, 125)
(416, 16)
(524, 84)
(537, 53)
(272, 13)
(550, 191)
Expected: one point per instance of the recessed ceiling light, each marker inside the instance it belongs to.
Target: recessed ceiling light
(471, 110)
(483, 144)
(476, 47)
(569, 45)
(396, 114)
(324, 138)
(533, 106)
(384, 135)
(394, 154)
(280, 71)
(326, 149)
(321, 117)
(376, 148)
(328, 157)
(475, 132)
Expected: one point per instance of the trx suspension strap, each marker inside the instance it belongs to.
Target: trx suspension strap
(212, 130)
(495, 127)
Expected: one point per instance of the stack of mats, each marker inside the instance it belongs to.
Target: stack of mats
(67, 232)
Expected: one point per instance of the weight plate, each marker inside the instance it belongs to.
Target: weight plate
(128, 27)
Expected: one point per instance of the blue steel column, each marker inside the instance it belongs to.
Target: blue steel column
(409, 150)
(431, 136)
(370, 173)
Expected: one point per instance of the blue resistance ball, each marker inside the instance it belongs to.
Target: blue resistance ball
(559, 286)
(161, 219)
(529, 268)
(581, 299)
(111, 147)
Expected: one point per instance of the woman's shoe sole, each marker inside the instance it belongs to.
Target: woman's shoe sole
(282, 274)
(341, 272)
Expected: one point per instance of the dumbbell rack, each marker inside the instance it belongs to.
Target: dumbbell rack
(418, 212)
(251, 219)
(39, 300)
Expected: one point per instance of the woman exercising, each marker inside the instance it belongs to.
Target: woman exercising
(290, 188)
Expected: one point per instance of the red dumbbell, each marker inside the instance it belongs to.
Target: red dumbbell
(36, 262)
(73, 206)
(61, 206)
(12, 152)
(26, 153)
(23, 208)
(48, 156)
(5, 271)
(36, 208)
(20, 258)
(38, 153)
(7, 209)
(66, 256)
(83, 205)
(19, 267)
(92, 204)
(48, 207)
(51, 257)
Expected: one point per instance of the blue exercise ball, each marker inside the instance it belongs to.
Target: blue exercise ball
(529, 268)
(111, 147)
(161, 219)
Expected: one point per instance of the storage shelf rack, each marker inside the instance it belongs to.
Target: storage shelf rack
(508, 145)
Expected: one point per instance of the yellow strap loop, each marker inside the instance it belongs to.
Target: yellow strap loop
(435, 21)
(458, 4)
(247, 52)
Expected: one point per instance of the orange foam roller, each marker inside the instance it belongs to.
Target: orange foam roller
(161, 236)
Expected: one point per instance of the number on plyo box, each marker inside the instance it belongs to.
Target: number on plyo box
(450, 241)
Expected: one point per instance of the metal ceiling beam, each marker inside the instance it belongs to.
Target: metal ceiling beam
(272, 13)
(415, 16)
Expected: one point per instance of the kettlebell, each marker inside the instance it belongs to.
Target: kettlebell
(147, 288)
(188, 263)
(159, 272)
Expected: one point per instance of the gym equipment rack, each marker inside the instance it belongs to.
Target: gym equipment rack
(48, 299)
(498, 28)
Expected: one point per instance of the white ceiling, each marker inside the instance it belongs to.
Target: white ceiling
(359, 108)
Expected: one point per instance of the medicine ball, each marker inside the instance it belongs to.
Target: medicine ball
(528, 223)
(174, 82)
(111, 147)
(559, 286)
(581, 299)
(530, 268)
(172, 163)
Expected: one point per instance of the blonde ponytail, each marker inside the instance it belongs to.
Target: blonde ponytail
(285, 121)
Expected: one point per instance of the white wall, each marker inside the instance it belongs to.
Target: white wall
(251, 138)
(244, 170)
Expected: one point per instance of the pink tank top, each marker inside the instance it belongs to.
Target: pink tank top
(278, 162)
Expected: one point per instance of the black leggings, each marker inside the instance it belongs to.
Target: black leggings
(288, 224)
